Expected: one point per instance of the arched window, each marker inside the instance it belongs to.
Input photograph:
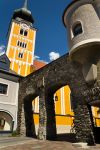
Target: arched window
(25, 33)
(21, 44)
(20, 55)
(25, 45)
(18, 43)
(77, 29)
(21, 31)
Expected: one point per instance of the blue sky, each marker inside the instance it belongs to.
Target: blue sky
(51, 33)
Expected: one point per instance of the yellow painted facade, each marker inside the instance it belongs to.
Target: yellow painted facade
(20, 48)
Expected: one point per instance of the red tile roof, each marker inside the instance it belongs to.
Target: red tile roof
(38, 64)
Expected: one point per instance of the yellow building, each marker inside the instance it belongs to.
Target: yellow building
(20, 51)
(96, 116)
(21, 41)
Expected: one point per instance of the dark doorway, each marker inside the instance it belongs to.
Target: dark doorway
(29, 120)
(95, 113)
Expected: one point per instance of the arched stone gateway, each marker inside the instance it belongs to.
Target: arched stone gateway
(44, 83)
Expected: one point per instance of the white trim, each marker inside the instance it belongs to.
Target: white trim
(16, 103)
(61, 100)
(70, 103)
(38, 104)
(20, 48)
(36, 107)
(35, 104)
(55, 102)
(93, 111)
(27, 64)
(14, 60)
(9, 41)
(19, 67)
(34, 41)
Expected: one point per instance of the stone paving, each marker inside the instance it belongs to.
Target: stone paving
(34, 144)
(48, 145)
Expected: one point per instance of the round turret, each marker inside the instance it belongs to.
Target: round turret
(82, 19)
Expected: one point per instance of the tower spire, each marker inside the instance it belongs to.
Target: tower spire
(25, 4)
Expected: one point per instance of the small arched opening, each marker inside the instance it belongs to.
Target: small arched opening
(62, 109)
(35, 108)
(77, 29)
(6, 122)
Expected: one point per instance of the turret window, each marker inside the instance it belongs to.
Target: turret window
(23, 32)
(20, 55)
(77, 29)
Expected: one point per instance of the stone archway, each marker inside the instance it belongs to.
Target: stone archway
(48, 79)
(29, 119)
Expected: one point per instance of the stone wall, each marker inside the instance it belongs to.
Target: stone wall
(43, 83)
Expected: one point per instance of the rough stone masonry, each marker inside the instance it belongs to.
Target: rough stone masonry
(43, 83)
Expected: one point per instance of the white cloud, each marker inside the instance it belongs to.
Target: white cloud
(36, 57)
(2, 48)
(53, 56)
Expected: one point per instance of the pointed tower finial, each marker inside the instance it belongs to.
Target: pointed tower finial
(25, 4)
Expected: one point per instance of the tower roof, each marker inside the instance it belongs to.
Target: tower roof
(23, 13)
(25, 4)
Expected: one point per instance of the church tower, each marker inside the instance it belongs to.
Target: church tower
(21, 41)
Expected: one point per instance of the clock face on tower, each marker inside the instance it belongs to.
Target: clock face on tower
(25, 26)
